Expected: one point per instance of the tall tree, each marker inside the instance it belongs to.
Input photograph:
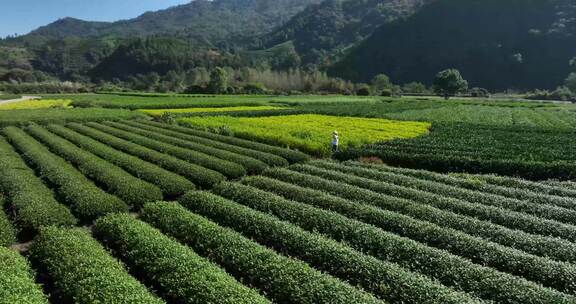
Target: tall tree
(218, 81)
(449, 83)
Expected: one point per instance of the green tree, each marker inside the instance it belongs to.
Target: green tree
(415, 88)
(380, 83)
(570, 82)
(218, 81)
(449, 83)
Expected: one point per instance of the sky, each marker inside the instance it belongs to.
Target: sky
(22, 16)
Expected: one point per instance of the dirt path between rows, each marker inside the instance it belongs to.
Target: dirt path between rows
(21, 99)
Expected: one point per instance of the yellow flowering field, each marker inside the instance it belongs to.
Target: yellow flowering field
(312, 133)
(37, 104)
(160, 112)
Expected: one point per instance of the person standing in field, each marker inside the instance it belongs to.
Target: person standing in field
(335, 142)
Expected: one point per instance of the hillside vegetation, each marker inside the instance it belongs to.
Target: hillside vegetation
(495, 44)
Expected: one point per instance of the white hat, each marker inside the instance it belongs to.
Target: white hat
(336, 132)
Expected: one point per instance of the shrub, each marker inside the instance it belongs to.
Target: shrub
(87, 201)
(282, 279)
(290, 155)
(17, 280)
(522, 189)
(130, 189)
(536, 244)
(252, 165)
(82, 271)
(459, 186)
(179, 274)
(448, 269)
(7, 232)
(386, 280)
(168, 145)
(549, 273)
(199, 175)
(507, 218)
(268, 158)
(456, 147)
(363, 90)
(479, 93)
(207, 162)
(33, 202)
(172, 185)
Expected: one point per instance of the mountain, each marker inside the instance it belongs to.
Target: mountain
(201, 21)
(496, 44)
(327, 29)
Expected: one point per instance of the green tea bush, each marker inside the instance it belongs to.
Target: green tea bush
(198, 175)
(459, 273)
(87, 201)
(551, 187)
(182, 133)
(228, 168)
(171, 184)
(179, 274)
(558, 275)
(130, 189)
(386, 280)
(82, 271)
(282, 279)
(458, 147)
(289, 155)
(33, 202)
(501, 186)
(540, 245)
(507, 218)
(17, 280)
(547, 211)
(252, 165)
(7, 232)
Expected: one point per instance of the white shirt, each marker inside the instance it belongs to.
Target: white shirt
(336, 140)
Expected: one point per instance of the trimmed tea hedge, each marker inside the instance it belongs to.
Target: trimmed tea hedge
(507, 218)
(229, 169)
(454, 271)
(251, 165)
(386, 280)
(130, 189)
(558, 275)
(547, 211)
(7, 232)
(171, 184)
(82, 271)
(282, 279)
(559, 249)
(33, 202)
(17, 281)
(518, 189)
(551, 189)
(87, 201)
(199, 175)
(179, 132)
(454, 147)
(180, 275)
(290, 155)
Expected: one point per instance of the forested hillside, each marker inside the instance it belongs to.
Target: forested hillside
(495, 44)
(201, 21)
(324, 31)
(498, 45)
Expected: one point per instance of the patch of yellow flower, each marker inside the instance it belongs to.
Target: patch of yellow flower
(36, 104)
(160, 112)
(312, 133)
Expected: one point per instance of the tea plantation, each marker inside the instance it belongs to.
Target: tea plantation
(119, 210)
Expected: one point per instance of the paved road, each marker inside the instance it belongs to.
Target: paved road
(23, 98)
